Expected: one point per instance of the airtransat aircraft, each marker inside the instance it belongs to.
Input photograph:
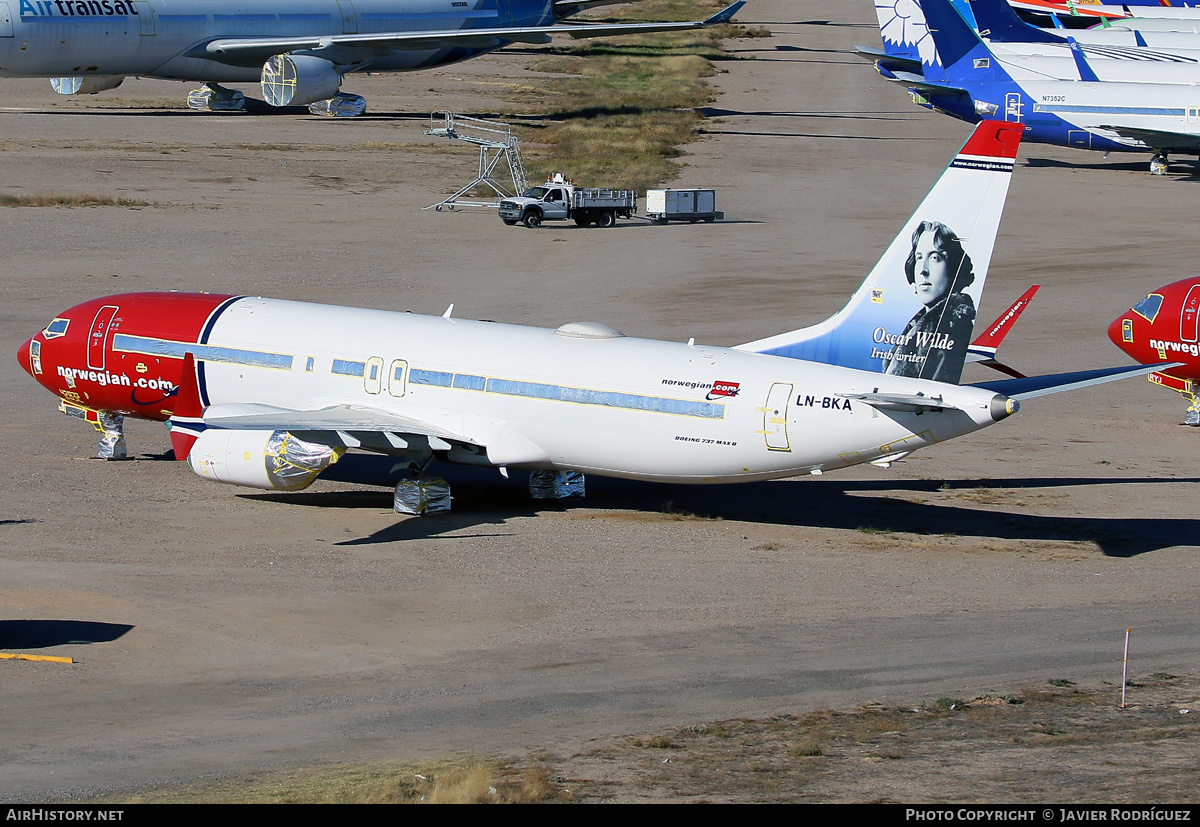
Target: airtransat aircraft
(298, 49)
(965, 80)
(267, 393)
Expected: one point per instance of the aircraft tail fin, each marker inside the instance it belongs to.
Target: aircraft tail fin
(913, 314)
(186, 421)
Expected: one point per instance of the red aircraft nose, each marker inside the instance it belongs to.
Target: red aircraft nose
(1116, 332)
(23, 357)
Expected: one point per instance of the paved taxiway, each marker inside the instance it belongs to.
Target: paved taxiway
(232, 629)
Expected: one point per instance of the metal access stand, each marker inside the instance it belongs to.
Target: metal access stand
(496, 143)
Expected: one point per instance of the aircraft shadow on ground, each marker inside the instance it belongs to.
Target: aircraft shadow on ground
(253, 107)
(1141, 165)
(482, 497)
(43, 634)
(716, 112)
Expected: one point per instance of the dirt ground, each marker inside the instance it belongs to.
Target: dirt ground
(220, 630)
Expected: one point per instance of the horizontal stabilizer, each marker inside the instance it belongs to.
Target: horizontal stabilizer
(898, 61)
(1033, 386)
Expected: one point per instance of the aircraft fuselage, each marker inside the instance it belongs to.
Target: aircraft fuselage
(167, 38)
(536, 398)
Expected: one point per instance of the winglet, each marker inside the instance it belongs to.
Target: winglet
(1138, 39)
(983, 349)
(1000, 328)
(1085, 72)
(186, 422)
(724, 15)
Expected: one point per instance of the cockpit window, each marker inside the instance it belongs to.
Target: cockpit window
(56, 328)
(1148, 307)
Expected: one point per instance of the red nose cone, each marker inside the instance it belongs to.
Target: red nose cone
(1116, 336)
(23, 357)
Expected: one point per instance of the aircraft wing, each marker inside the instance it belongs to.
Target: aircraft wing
(350, 48)
(352, 426)
(1158, 139)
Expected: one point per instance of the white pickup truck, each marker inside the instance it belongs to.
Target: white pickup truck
(558, 198)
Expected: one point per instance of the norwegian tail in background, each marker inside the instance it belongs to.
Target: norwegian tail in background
(914, 314)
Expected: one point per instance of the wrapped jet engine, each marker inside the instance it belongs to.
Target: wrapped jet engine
(296, 80)
(88, 85)
(274, 460)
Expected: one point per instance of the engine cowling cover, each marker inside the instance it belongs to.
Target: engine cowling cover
(272, 460)
(85, 85)
(298, 80)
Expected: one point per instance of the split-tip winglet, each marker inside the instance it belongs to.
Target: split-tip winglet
(725, 15)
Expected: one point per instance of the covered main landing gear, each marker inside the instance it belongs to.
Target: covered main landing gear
(216, 98)
(556, 485)
(1159, 163)
(341, 105)
(422, 495)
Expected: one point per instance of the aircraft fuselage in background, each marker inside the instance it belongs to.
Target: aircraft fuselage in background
(168, 38)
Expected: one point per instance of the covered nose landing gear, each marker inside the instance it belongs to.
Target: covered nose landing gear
(110, 425)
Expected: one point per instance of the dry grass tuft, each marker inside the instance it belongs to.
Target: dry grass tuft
(68, 200)
(462, 785)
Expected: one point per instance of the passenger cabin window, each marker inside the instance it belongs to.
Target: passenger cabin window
(308, 365)
(345, 367)
(1148, 307)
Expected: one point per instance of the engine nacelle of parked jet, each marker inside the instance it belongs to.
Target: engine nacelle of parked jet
(86, 85)
(273, 460)
(298, 80)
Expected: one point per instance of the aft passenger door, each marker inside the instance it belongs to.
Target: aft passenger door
(775, 423)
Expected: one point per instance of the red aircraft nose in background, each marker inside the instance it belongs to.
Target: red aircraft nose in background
(1165, 327)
